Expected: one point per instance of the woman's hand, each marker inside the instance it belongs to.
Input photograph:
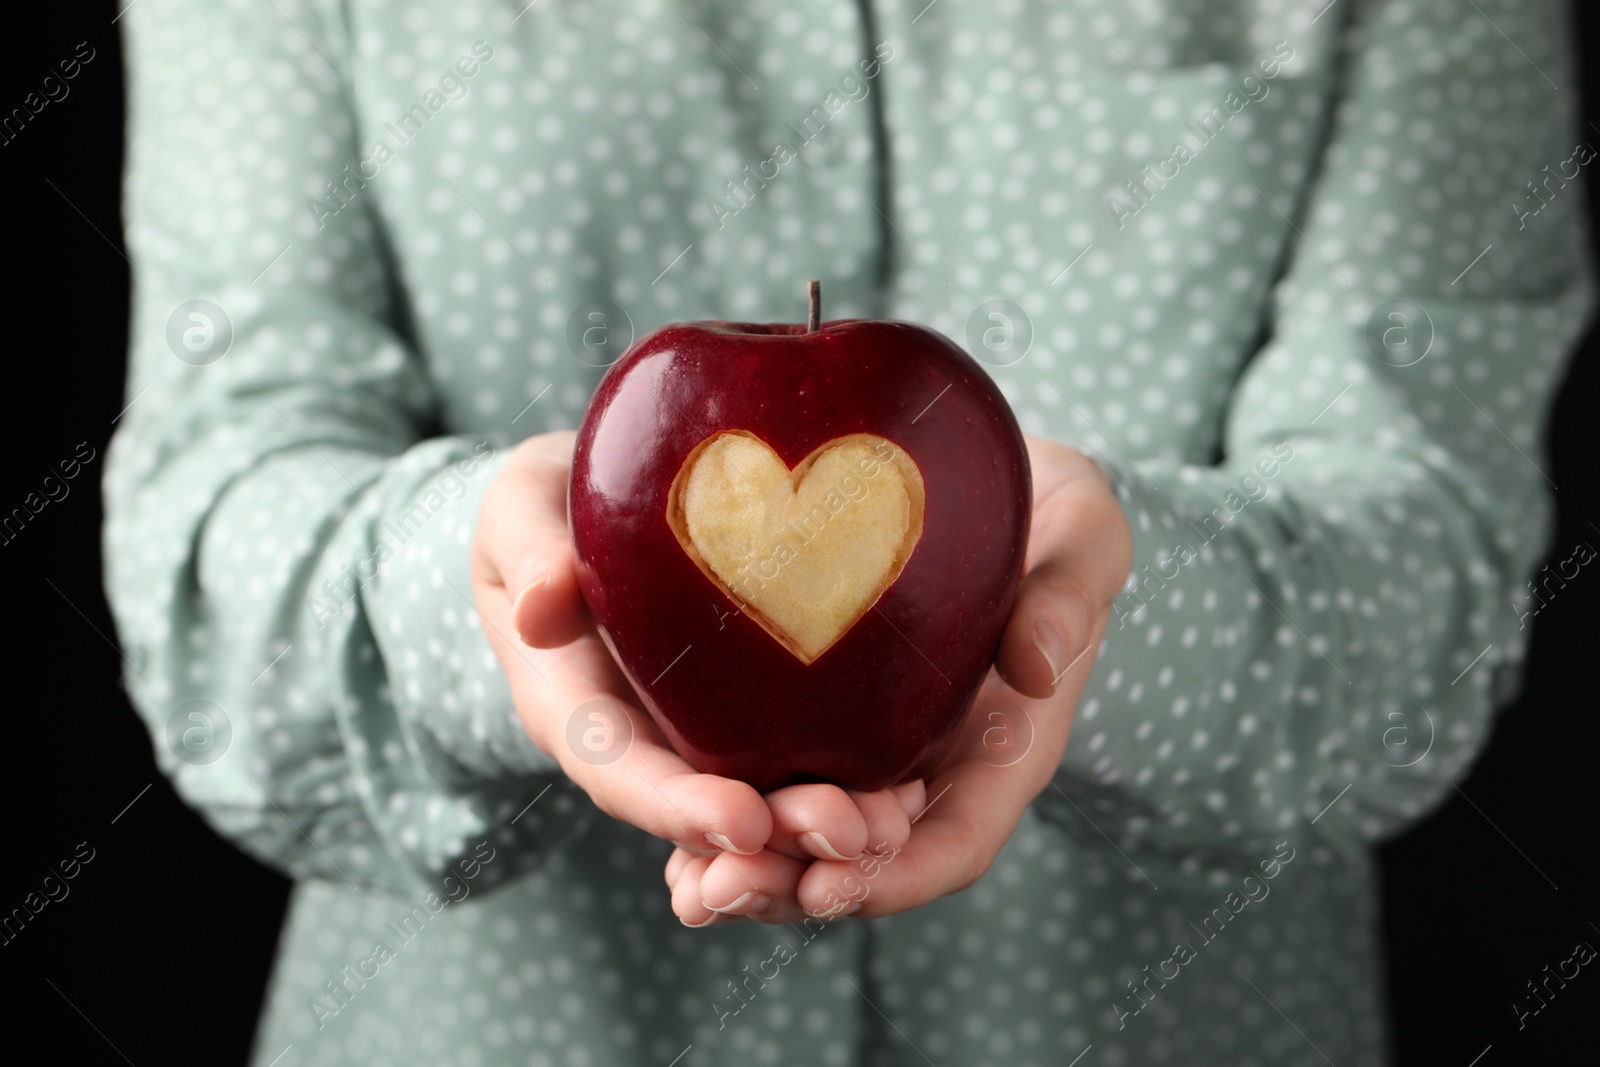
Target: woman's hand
(570, 694)
(1079, 553)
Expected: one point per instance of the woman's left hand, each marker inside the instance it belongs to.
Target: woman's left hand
(927, 840)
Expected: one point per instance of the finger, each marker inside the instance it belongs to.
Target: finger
(1079, 555)
(912, 795)
(527, 544)
(888, 825)
(1048, 631)
(549, 610)
(615, 752)
(675, 864)
(761, 887)
(816, 821)
(949, 849)
(650, 786)
(686, 903)
(976, 807)
(825, 822)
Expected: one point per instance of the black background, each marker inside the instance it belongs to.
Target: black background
(161, 951)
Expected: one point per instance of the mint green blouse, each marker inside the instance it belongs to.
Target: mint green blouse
(1302, 275)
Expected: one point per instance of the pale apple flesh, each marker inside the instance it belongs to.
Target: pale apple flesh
(805, 553)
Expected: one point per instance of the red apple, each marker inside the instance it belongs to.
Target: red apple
(801, 542)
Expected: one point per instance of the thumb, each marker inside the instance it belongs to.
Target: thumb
(1050, 630)
(547, 606)
(1080, 549)
(526, 545)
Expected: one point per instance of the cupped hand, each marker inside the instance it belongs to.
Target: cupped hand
(1080, 550)
(577, 706)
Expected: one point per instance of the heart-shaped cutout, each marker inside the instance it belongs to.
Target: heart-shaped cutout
(807, 552)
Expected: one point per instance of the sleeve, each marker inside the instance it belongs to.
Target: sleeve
(1317, 629)
(287, 546)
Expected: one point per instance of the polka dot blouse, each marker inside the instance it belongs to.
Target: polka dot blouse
(1301, 275)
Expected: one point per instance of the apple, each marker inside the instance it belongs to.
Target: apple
(801, 542)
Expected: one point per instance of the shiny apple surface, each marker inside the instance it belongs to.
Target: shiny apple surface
(883, 702)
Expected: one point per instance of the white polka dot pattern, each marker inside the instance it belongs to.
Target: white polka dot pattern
(1219, 236)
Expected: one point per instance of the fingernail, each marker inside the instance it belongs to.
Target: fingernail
(516, 605)
(822, 844)
(540, 579)
(715, 918)
(851, 910)
(698, 848)
(1048, 639)
(719, 841)
(751, 903)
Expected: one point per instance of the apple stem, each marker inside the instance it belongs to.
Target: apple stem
(814, 306)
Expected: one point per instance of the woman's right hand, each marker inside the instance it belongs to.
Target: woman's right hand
(566, 685)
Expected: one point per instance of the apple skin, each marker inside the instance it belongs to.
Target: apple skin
(884, 703)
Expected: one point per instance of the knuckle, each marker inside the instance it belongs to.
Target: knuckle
(975, 855)
(595, 787)
(971, 871)
(606, 805)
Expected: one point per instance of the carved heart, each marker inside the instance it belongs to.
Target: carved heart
(807, 552)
